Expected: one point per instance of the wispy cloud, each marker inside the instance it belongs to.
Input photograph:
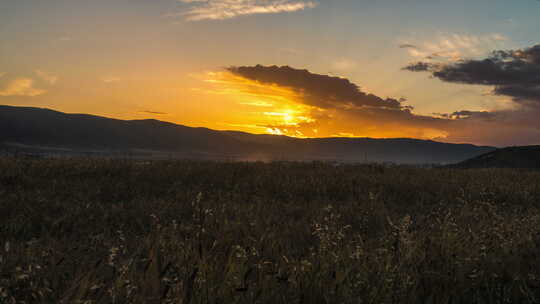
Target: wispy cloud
(344, 64)
(226, 9)
(51, 79)
(153, 112)
(452, 47)
(407, 46)
(110, 79)
(21, 87)
(291, 51)
(257, 104)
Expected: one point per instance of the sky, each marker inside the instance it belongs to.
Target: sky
(454, 71)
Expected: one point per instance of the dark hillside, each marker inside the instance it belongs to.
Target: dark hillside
(526, 157)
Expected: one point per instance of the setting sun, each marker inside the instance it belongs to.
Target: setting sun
(270, 108)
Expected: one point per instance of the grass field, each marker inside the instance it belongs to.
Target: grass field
(110, 231)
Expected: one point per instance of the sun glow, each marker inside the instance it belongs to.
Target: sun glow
(264, 108)
(270, 109)
(288, 117)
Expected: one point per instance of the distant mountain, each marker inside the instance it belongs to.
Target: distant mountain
(511, 157)
(44, 131)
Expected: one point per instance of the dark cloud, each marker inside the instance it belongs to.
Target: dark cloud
(319, 90)
(514, 73)
(522, 93)
(485, 115)
(419, 67)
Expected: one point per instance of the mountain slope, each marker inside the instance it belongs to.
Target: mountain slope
(46, 130)
(511, 157)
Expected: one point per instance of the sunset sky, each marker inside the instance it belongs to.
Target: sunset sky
(452, 71)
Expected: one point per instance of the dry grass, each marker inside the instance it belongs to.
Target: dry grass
(99, 231)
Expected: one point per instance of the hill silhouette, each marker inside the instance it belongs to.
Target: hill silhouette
(45, 131)
(525, 157)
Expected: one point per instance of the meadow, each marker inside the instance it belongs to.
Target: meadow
(127, 231)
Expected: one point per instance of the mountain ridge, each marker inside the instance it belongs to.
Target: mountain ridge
(41, 127)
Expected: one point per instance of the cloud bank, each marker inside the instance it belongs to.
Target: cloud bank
(319, 90)
(338, 107)
(514, 74)
(227, 9)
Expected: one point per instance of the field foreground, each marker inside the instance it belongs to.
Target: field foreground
(101, 231)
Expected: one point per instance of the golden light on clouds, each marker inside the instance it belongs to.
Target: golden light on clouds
(267, 108)
(270, 109)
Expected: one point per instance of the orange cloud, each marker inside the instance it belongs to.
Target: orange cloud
(21, 87)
